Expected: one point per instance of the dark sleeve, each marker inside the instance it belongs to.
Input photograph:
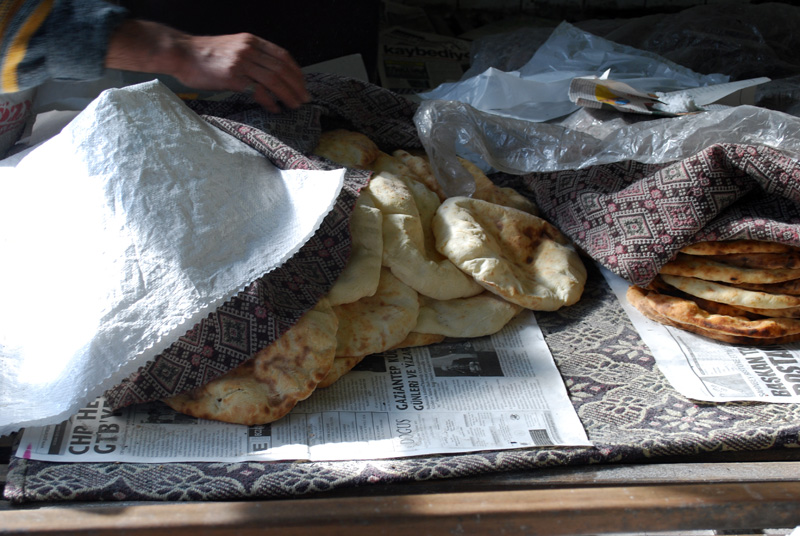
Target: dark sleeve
(60, 39)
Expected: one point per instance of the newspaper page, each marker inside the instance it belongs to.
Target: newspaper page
(411, 62)
(462, 395)
(707, 370)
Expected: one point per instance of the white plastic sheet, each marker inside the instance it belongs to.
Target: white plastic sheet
(123, 231)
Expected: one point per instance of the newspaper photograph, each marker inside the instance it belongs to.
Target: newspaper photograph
(462, 395)
(411, 62)
(707, 370)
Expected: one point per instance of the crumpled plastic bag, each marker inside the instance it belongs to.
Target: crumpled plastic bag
(449, 129)
(539, 90)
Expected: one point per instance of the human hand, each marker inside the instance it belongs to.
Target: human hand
(246, 63)
(238, 62)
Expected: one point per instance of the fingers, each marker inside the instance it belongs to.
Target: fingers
(276, 77)
(246, 63)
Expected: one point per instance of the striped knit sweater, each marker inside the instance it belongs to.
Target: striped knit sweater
(58, 39)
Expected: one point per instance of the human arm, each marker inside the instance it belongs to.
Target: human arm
(53, 39)
(78, 39)
(238, 62)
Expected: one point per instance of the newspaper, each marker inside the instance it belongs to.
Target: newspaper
(462, 395)
(411, 62)
(707, 370)
(597, 92)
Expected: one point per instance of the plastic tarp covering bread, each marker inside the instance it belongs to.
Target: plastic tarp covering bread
(123, 231)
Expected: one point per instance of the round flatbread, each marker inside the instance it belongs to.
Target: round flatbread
(716, 292)
(421, 168)
(408, 242)
(729, 247)
(486, 190)
(791, 287)
(363, 270)
(376, 323)
(340, 367)
(415, 339)
(702, 268)
(516, 255)
(347, 148)
(476, 316)
(266, 387)
(789, 260)
(687, 315)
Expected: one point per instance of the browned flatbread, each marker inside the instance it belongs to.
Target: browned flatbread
(486, 190)
(347, 148)
(738, 297)
(730, 247)
(267, 387)
(701, 268)
(687, 315)
(415, 339)
(786, 312)
(658, 285)
(477, 316)
(789, 260)
(375, 323)
(514, 254)
(421, 168)
(791, 287)
(343, 365)
(340, 367)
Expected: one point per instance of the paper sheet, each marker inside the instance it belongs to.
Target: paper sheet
(123, 231)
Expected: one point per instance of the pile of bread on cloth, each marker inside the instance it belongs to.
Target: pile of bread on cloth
(424, 266)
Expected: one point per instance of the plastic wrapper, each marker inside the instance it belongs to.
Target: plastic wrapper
(741, 41)
(539, 90)
(449, 129)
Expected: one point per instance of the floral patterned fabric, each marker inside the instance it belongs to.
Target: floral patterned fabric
(633, 218)
(628, 408)
(630, 217)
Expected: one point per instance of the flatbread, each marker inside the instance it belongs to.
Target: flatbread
(376, 323)
(340, 367)
(415, 338)
(486, 190)
(347, 148)
(476, 316)
(687, 315)
(729, 247)
(266, 387)
(408, 241)
(420, 166)
(786, 312)
(791, 287)
(516, 255)
(363, 270)
(789, 260)
(709, 290)
(702, 268)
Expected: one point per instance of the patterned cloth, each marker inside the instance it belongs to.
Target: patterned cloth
(633, 218)
(628, 408)
(628, 216)
(276, 301)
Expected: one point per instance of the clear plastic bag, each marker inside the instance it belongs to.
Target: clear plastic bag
(449, 129)
(742, 41)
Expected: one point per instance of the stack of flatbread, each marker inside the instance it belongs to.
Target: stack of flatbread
(740, 292)
(422, 267)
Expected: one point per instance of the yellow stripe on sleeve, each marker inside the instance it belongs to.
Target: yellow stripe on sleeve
(19, 46)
